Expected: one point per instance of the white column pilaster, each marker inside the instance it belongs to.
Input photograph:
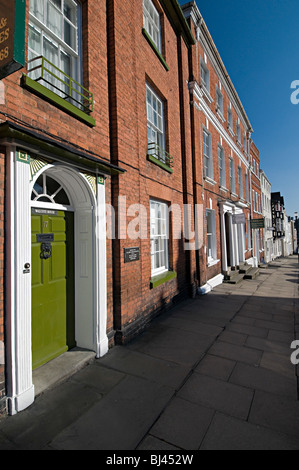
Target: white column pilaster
(102, 339)
(19, 352)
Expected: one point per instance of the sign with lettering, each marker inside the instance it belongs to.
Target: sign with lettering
(12, 36)
(239, 219)
(44, 212)
(132, 254)
(257, 223)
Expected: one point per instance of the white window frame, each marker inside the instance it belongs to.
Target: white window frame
(232, 175)
(230, 120)
(40, 26)
(152, 23)
(211, 236)
(207, 154)
(159, 227)
(155, 119)
(239, 134)
(204, 75)
(247, 187)
(219, 100)
(240, 182)
(222, 172)
(245, 143)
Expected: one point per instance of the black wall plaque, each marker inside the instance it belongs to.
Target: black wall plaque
(45, 237)
(132, 254)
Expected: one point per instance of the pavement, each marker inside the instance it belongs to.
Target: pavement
(213, 373)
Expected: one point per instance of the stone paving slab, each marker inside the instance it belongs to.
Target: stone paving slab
(183, 424)
(263, 379)
(281, 337)
(216, 367)
(236, 352)
(135, 363)
(279, 364)
(267, 345)
(123, 418)
(228, 433)
(218, 395)
(248, 329)
(185, 349)
(276, 412)
(154, 444)
(51, 413)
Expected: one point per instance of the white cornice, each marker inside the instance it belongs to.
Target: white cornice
(196, 90)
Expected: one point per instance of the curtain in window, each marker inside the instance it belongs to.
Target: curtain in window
(37, 9)
(54, 19)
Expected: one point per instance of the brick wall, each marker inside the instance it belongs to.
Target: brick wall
(132, 64)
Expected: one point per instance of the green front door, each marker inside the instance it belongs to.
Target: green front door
(52, 285)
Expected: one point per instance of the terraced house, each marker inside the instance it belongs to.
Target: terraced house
(125, 177)
(221, 142)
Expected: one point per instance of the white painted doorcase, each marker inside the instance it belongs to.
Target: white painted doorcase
(86, 194)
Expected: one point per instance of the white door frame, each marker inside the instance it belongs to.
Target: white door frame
(90, 269)
(236, 236)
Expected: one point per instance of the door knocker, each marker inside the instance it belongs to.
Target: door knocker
(46, 251)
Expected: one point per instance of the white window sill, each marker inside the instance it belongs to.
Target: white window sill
(223, 188)
(209, 180)
(234, 194)
(212, 262)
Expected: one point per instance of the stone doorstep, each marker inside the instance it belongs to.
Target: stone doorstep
(60, 369)
(253, 273)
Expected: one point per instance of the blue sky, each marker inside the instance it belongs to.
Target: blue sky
(258, 41)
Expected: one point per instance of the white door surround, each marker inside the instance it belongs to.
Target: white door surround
(236, 236)
(87, 198)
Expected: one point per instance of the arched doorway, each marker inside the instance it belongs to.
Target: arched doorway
(52, 193)
(72, 200)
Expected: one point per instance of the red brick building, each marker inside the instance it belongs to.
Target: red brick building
(88, 123)
(256, 204)
(125, 178)
(55, 143)
(221, 166)
(150, 139)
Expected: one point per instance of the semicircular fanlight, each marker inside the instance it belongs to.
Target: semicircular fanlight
(46, 189)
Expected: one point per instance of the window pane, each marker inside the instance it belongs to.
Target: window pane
(70, 11)
(158, 212)
(62, 198)
(35, 39)
(151, 22)
(57, 3)
(66, 64)
(36, 7)
(54, 20)
(70, 35)
(52, 186)
(51, 53)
